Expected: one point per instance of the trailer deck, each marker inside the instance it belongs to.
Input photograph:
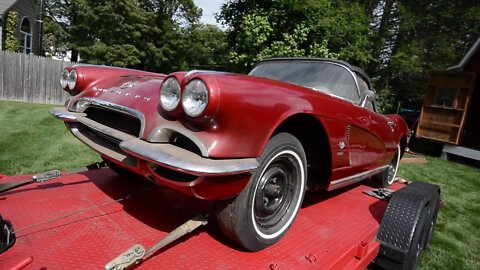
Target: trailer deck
(82, 221)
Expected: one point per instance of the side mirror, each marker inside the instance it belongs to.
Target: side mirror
(368, 95)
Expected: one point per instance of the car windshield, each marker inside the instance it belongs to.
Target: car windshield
(322, 76)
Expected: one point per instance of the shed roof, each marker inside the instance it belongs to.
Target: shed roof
(466, 58)
(5, 4)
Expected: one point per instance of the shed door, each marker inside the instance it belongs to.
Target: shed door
(445, 106)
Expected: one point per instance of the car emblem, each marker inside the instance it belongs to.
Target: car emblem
(341, 145)
(128, 84)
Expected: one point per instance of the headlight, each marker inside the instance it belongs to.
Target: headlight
(64, 78)
(72, 79)
(170, 94)
(195, 98)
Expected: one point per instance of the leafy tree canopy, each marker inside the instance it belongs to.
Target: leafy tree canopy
(398, 42)
(260, 29)
(144, 34)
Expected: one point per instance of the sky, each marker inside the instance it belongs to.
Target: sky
(209, 7)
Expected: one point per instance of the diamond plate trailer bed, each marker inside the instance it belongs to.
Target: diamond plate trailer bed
(84, 220)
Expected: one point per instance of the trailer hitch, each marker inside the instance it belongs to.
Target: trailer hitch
(137, 253)
(50, 175)
(380, 193)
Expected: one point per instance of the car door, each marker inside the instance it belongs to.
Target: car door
(378, 140)
(354, 121)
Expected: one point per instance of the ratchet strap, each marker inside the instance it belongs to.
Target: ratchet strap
(50, 175)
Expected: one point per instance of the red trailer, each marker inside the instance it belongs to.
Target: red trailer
(84, 220)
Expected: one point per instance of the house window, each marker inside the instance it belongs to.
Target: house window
(26, 36)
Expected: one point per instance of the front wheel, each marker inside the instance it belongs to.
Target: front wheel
(262, 213)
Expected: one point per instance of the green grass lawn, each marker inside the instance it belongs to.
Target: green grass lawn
(31, 140)
(456, 243)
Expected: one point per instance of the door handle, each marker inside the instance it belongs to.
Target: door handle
(391, 123)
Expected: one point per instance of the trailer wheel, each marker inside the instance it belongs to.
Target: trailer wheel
(407, 226)
(263, 212)
(413, 255)
(433, 221)
(387, 177)
(432, 192)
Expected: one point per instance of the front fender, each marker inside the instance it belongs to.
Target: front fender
(400, 128)
(249, 111)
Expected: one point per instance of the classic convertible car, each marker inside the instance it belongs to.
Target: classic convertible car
(253, 143)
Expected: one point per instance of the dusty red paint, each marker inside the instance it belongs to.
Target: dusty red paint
(242, 114)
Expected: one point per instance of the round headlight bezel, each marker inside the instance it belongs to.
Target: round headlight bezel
(64, 77)
(72, 79)
(195, 98)
(172, 87)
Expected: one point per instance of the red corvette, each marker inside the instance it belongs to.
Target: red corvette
(254, 143)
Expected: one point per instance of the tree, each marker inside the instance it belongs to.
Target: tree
(69, 24)
(117, 39)
(414, 38)
(204, 47)
(321, 28)
(143, 34)
(398, 42)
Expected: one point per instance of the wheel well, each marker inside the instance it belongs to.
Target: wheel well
(403, 145)
(311, 134)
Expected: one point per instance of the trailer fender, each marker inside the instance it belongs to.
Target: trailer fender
(432, 192)
(407, 226)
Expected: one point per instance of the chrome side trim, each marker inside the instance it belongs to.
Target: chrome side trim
(355, 178)
(115, 107)
(193, 71)
(179, 159)
(350, 162)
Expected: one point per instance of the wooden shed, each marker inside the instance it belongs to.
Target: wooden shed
(451, 108)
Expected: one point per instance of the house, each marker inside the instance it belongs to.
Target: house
(451, 108)
(27, 27)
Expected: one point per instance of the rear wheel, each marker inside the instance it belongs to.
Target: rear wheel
(432, 221)
(387, 177)
(262, 213)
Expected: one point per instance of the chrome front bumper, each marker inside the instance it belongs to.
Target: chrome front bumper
(162, 154)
